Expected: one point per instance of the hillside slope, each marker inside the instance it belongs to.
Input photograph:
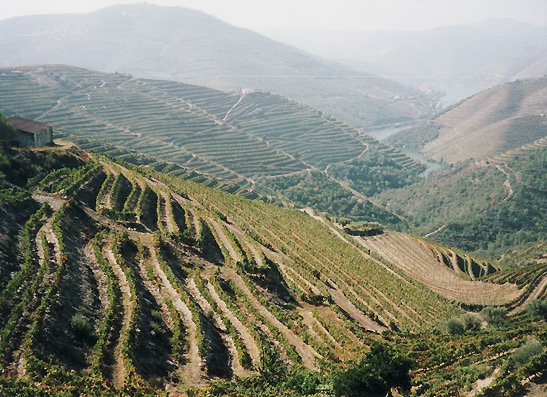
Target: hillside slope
(490, 205)
(489, 123)
(248, 139)
(156, 283)
(189, 46)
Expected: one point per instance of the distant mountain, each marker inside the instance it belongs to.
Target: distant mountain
(461, 60)
(491, 122)
(189, 46)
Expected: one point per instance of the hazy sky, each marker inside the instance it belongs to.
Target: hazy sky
(264, 15)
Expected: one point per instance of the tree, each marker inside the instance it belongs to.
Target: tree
(531, 348)
(380, 370)
(537, 308)
(471, 322)
(495, 316)
(455, 327)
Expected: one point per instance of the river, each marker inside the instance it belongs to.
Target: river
(383, 133)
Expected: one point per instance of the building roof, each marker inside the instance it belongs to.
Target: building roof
(27, 125)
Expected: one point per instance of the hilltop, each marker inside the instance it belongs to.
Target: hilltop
(189, 46)
(129, 279)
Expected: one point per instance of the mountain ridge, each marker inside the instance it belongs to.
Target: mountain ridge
(128, 39)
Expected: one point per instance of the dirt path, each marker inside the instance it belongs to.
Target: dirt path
(306, 352)
(364, 321)
(100, 276)
(156, 293)
(105, 199)
(237, 369)
(54, 202)
(311, 322)
(166, 214)
(533, 295)
(246, 337)
(482, 383)
(118, 375)
(233, 107)
(348, 160)
(192, 369)
(434, 232)
(17, 368)
(507, 183)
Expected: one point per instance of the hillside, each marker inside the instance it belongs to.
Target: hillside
(486, 206)
(253, 140)
(130, 280)
(188, 46)
(489, 123)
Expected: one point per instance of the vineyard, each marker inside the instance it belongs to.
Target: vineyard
(238, 141)
(134, 281)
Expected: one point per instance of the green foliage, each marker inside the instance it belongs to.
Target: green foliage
(81, 325)
(495, 316)
(523, 354)
(373, 173)
(415, 137)
(455, 327)
(473, 204)
(317, 190)
(6, 129)
(380, 370)
(272, 369)
(471, 322)
(537, 308)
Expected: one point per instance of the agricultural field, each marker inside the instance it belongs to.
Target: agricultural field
(248, 140)
(132, 281)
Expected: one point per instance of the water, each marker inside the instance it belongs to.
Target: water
(431, 166)
(383, 133)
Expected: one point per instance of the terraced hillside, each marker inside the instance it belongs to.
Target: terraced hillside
(195, 48)
(131, 279)
(489, 123)
(236, 139)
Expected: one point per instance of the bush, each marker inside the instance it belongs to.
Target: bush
(471, 322)
(81, 325)
(380, 370)
(495, 316)
(531, 348)
(455, 327)
(537, 308)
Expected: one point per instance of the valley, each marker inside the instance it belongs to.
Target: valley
(189, 208)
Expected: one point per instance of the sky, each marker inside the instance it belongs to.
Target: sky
(267, 15)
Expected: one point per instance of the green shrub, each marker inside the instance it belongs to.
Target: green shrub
(495, 316)
(471, 322)
(537, 308)
(532, 347)
(454, 326)
(380, 370)
(81, 325)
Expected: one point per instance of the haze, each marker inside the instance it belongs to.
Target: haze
(266, 15)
